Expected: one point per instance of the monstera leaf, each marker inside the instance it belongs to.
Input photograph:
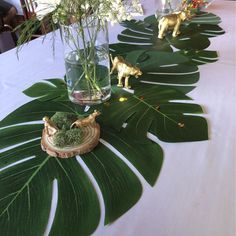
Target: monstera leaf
(194, 37)
(204, 18)
(43, 195)
(55, 89)
(32, 183)
(149, 106)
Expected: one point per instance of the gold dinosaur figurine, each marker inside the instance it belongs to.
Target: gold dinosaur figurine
(125, 70)
(173, 20)
(49, 126)
(86, 121)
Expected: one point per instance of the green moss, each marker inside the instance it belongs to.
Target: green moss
(63, 120)
(68, 138)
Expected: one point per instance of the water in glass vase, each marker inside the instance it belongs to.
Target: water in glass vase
(165, 7)
(88, 83)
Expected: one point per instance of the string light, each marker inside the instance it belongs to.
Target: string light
(123, 99)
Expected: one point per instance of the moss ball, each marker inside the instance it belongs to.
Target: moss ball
(63, 120)
(70, 137)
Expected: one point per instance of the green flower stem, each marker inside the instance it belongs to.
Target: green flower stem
(77, 81)
(169, 3)
(89, 51)
(86, 51)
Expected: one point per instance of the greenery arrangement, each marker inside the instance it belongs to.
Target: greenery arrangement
(55, 12)
(66, 136)
(83, 26)
(157, 106)
(63, 120)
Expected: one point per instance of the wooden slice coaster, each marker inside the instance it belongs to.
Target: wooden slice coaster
(90, 139)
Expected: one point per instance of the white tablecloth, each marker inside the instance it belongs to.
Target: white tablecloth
(195, 192)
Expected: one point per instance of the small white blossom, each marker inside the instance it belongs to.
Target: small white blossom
(44, 7)
(85, 6)
(113, 11)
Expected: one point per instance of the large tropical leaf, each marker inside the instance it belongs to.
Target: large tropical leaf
(55, 90)
(149, 105)
(27, 175)
(142, 35)
(27, 188)
(206, 18)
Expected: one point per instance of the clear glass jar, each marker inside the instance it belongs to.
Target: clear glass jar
(165, 7)
(86, 53)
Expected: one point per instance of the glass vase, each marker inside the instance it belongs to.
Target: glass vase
(165, 7)
(86, 53)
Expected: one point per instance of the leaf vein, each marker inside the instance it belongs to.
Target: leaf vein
(23, 187)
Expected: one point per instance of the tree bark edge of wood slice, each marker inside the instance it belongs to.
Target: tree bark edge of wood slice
(91, 135)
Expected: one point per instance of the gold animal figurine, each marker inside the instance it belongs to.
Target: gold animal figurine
(173, 20)
(49, 126)
(86, 121)
(125, 70)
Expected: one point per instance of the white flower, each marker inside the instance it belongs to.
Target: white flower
(85, 6)
(44, 7)
(114, 11)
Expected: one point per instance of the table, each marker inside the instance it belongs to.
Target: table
(195, 192)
